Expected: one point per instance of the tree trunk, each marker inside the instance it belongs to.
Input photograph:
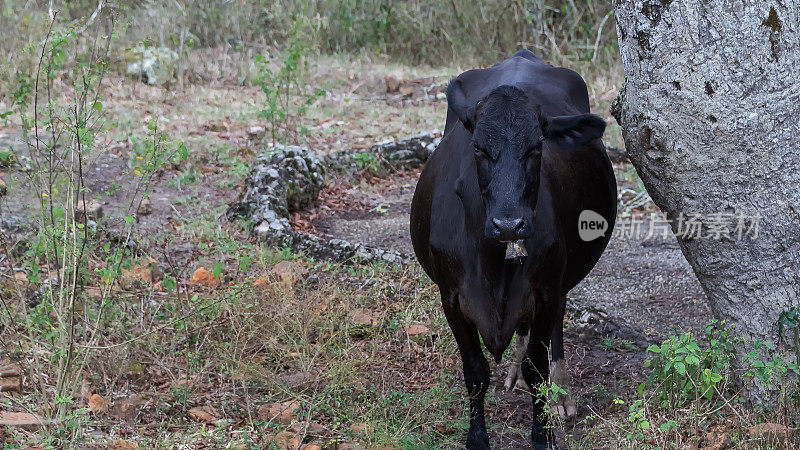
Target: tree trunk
(710, 112)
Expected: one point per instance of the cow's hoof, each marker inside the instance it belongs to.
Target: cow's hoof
(544, 440)
(514, 379)
(478, 440)
(565, 405)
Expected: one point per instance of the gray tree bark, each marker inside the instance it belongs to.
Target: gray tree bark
(710, 113)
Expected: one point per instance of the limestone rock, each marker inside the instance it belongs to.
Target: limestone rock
(155, 66)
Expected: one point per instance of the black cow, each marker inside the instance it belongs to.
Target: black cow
(520, 159)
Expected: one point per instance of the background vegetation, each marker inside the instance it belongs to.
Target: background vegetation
(184, 331)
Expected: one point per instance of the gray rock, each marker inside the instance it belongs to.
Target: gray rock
(390, 156)
(154, 66)
(283, 179)
(286, 179)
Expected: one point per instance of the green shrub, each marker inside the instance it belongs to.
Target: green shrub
(684, 370)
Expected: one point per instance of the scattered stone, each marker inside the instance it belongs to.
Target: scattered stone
(93, 210)
(256, 131)
(97, 404)
(154, 66)
(392, 84)
(26, 421)
(217, 127)
(283, 180)
(145, 207)
(416, 330)
(311, 447)
(204, 277)
(204, 414)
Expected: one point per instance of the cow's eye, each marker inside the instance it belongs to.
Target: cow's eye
(534, 150)
(480, 152)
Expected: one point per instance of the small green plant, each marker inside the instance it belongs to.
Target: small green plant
(637, 416)
(612, 343)
(366, 161)
(287, 97)
(683, 370)
(551, 391)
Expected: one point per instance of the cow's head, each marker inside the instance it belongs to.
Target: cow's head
(508, 135)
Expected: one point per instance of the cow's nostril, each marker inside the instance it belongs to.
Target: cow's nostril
(507, 228)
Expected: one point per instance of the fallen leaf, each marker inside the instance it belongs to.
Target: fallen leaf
(361, 316)
(286, 440)
(769, 429)
(86, 390)
(358, 427)
(718, 438)
(97, 404)
(204, 414)
(26, 421)
(288, 271)
(261, 282)
(128, 408)
(416, 330)
(119, 444)
(284, 413)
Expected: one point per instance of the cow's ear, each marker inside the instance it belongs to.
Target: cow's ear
(572, 130)
(458, 102)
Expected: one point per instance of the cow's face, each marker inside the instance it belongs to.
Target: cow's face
(508, 136)
(507, 141)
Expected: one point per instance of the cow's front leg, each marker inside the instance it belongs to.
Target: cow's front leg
(476, 374)
(514, 379)
(535, 369)
(565, 405)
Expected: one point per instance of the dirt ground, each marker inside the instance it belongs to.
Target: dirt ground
(639, 292)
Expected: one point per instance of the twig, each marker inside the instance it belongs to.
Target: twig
(599, 34)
